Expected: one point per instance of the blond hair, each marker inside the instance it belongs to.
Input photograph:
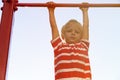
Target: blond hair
(72, 21)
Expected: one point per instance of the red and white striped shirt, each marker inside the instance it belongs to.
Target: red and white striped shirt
(71, 60)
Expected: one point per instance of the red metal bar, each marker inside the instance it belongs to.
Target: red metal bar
(5, 33)
(6, 0)
(67, 5)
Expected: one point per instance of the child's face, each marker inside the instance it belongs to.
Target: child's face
(72, 34)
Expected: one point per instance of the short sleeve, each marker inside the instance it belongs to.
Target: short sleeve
(56, 42)
(85, 43)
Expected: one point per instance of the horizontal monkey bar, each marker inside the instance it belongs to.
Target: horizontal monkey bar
(68, 5)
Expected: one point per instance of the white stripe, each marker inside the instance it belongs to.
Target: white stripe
(71, 61)
(76, 48)
(85, 40)
(55, 39)
(52, 41)
(74, 78)
(85, 45)
(71, 69)
(83, 49)
(57, 45)
(69, 54)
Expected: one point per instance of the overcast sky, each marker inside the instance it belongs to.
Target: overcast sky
(31, 54)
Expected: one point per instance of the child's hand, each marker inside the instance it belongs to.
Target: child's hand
(51, 5)
(85, 8)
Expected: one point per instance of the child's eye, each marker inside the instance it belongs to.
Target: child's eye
(77, 31)
(69, 30)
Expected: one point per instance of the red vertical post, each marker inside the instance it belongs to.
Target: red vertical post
(5, 33)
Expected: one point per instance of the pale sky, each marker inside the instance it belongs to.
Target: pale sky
(31, 54)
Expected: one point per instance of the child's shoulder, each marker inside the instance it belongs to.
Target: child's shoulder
(57, 41)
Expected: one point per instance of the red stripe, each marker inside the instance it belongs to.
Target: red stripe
(86, 43)
(88, 75)
(56, 42)
(86, 60)
(69, 51)
(87, 67)
(70, 65)
(70, 74)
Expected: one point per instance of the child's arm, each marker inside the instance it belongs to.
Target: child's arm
(53, 24)
(85, 32)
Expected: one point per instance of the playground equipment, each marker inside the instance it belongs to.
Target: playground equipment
(8, 9)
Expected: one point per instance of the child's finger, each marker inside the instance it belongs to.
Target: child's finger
(50, 4)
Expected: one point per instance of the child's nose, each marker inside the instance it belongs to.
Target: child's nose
(73, 32)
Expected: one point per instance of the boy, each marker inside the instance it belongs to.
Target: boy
(71, 57)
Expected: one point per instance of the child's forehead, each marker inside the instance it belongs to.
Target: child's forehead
(72, 22)
(73, 26)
